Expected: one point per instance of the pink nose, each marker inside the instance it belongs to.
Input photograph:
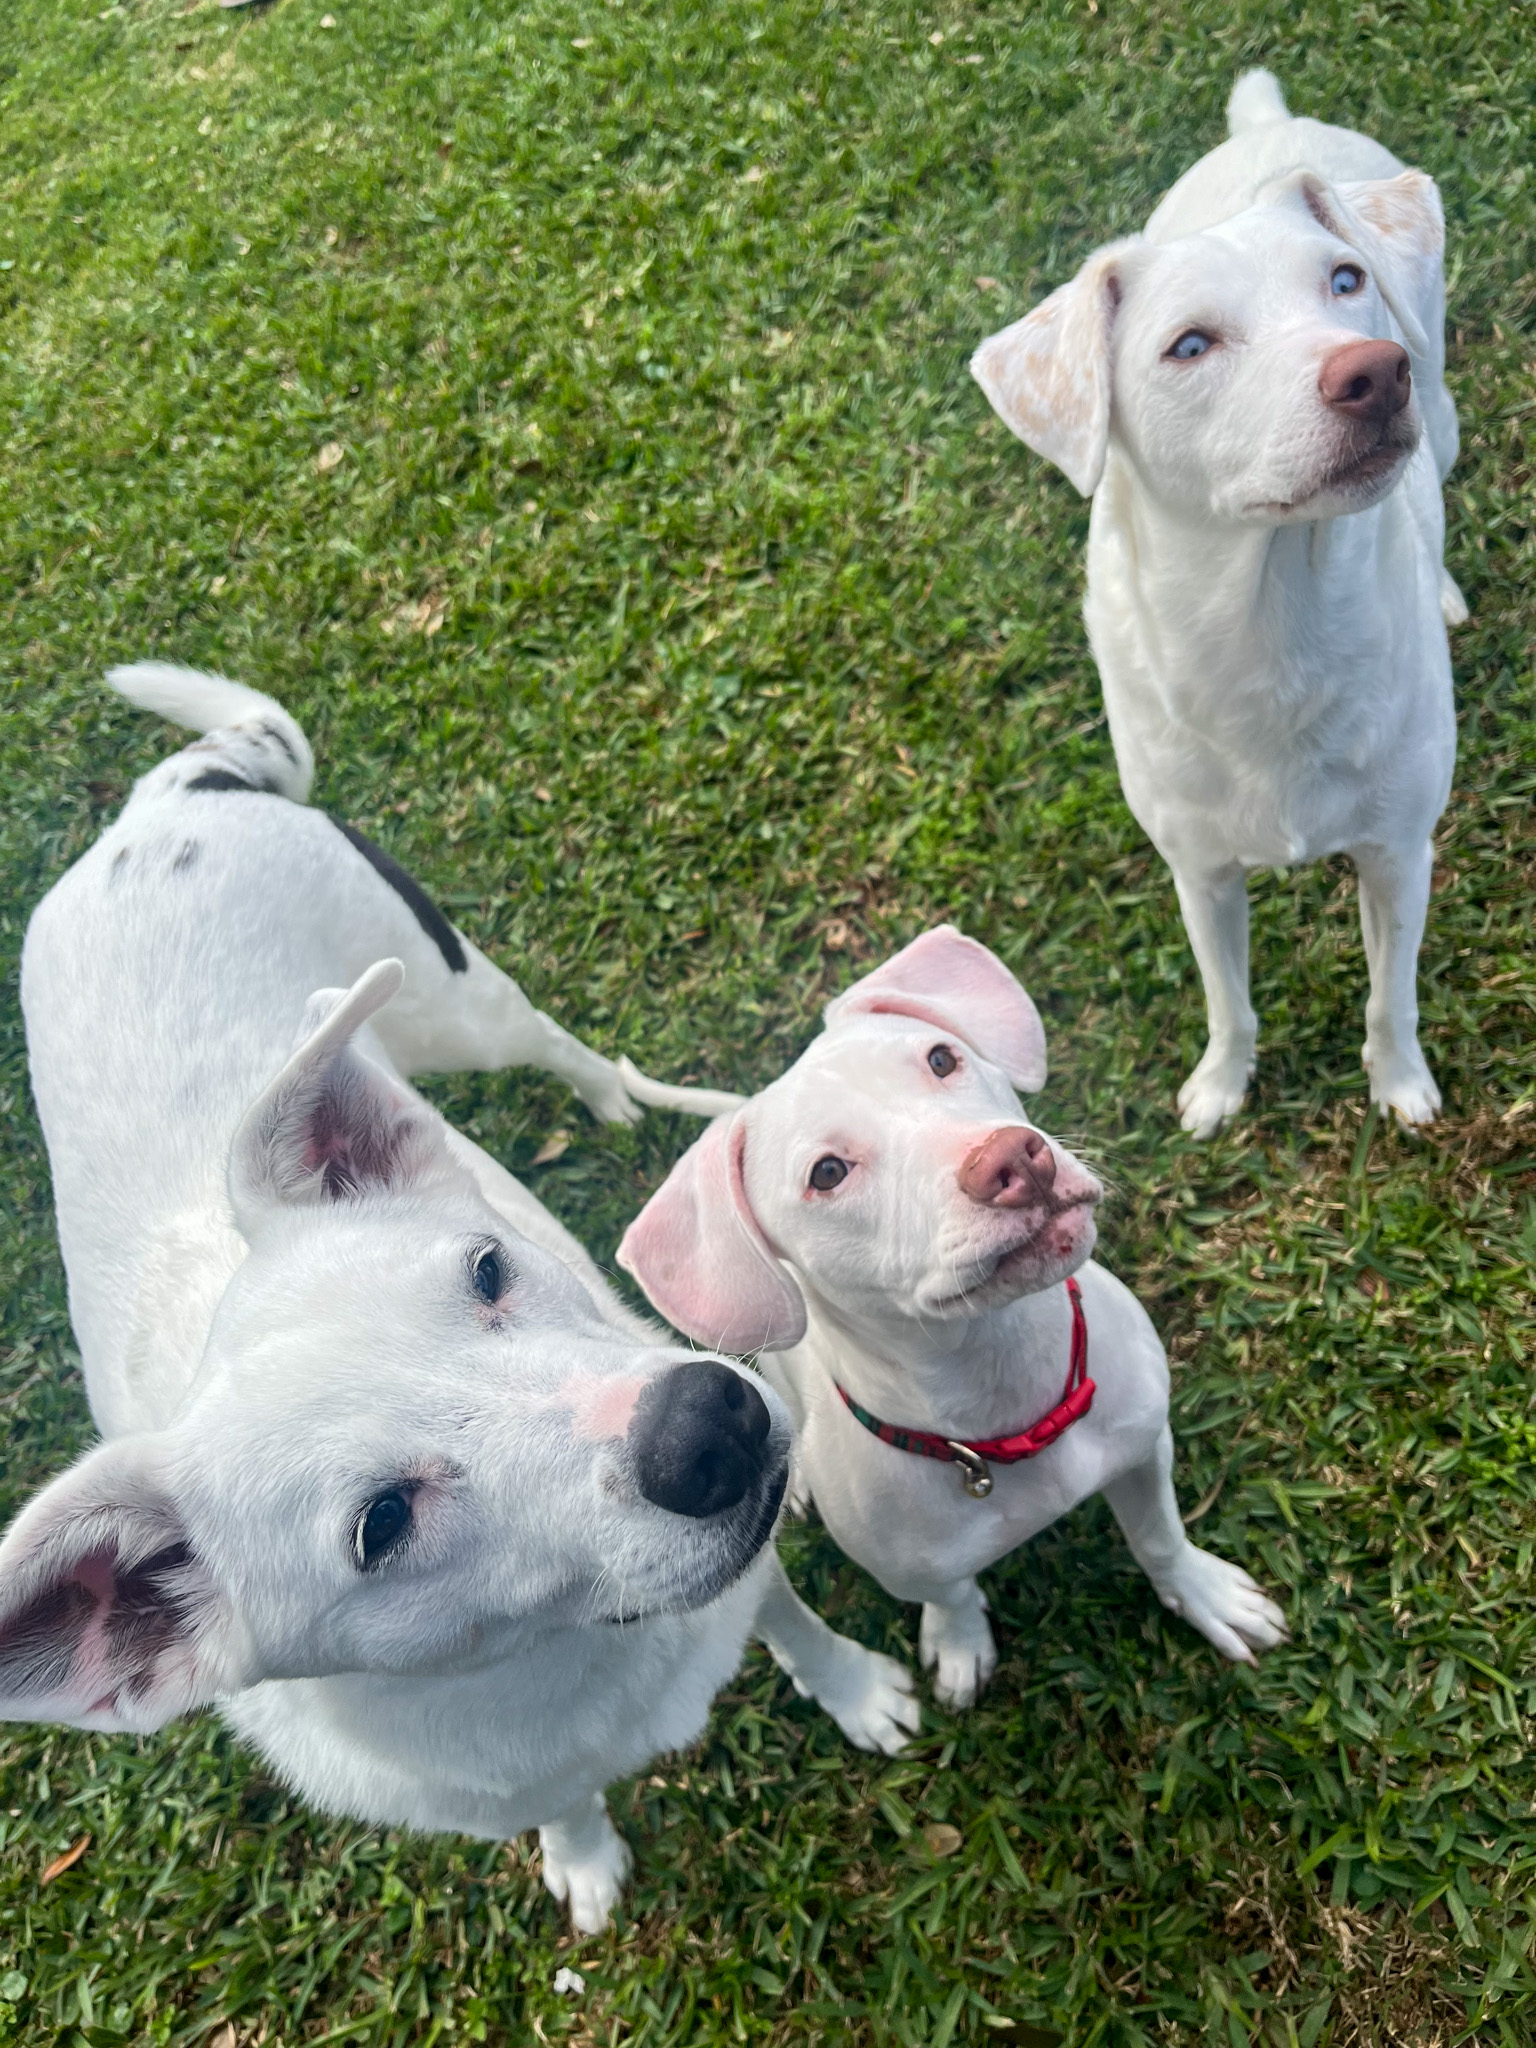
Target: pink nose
(1011, 1168)
(1369, 380)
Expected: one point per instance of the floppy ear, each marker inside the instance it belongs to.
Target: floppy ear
(960, 987)
(1048, 375)
(333, 1125)
(1399, 228)
(701, 1256)
(107, 1617)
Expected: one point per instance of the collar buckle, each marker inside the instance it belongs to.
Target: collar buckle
(975, 1472)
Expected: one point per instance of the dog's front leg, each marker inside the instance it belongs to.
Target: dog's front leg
(868, 1695)
(586, 1861)
(955, 1641)
(1218, 1598)
(1215, 907)
(1394, 897)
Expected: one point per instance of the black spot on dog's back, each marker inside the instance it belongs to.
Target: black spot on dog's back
(278, 738)
(422, 908)
(222, 778)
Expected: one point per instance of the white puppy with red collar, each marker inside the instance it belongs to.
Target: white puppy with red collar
(1252, 391)
(886, 1220)
(387, 1469)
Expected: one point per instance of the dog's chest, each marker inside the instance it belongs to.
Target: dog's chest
(1275, 735)
(908, 1518)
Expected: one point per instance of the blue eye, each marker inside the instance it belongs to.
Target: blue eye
(1194, 341)
(1347, 279)
(381, 1528)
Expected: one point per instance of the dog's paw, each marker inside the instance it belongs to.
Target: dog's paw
(1214, 1092)
(1227, 1607)
(869, 1696)
(1404, 1085)
(1453, 606)
(585, 1867)
(955, 1643)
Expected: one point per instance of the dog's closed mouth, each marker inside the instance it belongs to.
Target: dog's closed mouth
(1006, 1263)
(728, 1569)
(1359, 473)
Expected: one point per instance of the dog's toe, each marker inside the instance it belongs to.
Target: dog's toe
(879, 1711)
(1213, 1092)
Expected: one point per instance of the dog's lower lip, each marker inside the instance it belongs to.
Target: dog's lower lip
(712, 1588)
(1364, 469)
(1015, 1252)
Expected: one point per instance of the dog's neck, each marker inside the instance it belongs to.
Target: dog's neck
(1225, 611)
(976, 1376)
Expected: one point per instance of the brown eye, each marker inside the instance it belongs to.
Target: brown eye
(942, 1061)
(828, 1173)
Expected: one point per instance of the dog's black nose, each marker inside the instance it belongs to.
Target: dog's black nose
(700, 1438)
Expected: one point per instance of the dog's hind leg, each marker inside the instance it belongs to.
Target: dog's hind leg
(1215, 908)
(1394, 899)
(868, 1695)
(586, 1861)
(452, 1016)
(1218, 1598)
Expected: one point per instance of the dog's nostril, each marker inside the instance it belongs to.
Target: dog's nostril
(699, 1438)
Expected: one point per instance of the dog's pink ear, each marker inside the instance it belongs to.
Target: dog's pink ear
(108, 1619)
(333, 1125)
(959, 987)
(701, 1256)
(1048, 375)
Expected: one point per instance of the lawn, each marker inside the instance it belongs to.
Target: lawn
(563, 408)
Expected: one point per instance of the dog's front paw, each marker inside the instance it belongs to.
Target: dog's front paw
(585, 1864)
(1214, 1092)
(879, 1709)
(1227, 1607)
(955, 1643)
(1403, 1084)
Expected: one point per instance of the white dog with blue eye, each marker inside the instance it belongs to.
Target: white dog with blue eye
(388, 1472)
(1252, 391)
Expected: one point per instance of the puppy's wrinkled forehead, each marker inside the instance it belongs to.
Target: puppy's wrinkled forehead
(875, 1066)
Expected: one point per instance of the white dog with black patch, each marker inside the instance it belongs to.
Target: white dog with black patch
(388, 1472)
(1252, 391)
(886, 1219)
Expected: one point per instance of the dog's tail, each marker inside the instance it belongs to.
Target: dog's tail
(662, 1095)
(1256, 102)
(254, 740)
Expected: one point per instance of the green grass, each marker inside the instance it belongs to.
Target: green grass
(680, 613)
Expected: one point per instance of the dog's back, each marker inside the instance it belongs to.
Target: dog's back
(163, 978)
(1265, 142)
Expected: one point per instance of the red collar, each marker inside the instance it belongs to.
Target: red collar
(974, 1458)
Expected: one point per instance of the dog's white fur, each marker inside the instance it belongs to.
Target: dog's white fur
(272, 1259)
(935, 1310)
(1268, 627)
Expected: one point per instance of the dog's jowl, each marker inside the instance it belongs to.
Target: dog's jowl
(387, 1471)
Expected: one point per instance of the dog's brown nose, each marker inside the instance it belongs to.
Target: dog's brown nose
(1369, 380)
(1012, 1167)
